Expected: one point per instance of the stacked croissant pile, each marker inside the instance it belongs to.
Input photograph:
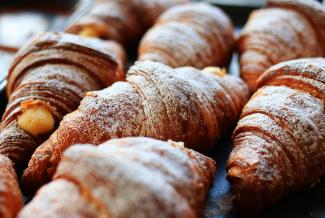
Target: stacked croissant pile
(94, 140)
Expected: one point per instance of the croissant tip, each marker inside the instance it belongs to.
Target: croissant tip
(245, 200)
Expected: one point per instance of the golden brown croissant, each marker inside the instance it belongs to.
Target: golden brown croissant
(47, 80)
(286, 30)
(128, 177)
(122, 20)
(279, 143)
(155, 101)
(196, 34)
(11, 199)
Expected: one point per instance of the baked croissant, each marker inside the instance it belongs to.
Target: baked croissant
(279, 143)
(10, 196)
(120, 20)
(285, 30)
(196, 34)
(47, 80)
(155, 101)
(128, 177)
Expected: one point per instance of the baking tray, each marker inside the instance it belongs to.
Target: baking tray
(307, 203)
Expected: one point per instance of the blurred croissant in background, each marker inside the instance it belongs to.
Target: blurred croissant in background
(197, 35)
(120, 20)
(284, 30)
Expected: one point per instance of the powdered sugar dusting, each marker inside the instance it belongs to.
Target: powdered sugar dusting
(279, 143)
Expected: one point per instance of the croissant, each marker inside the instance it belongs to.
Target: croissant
(285, 30)
(196, 34)
(120, 20)
(279, 142)
(10, 196)
(164, 179)
(155, 101)
(47, 80)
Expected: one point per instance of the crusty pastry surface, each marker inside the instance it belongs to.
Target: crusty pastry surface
(128, 177)
(279, 142)
(155, 101)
